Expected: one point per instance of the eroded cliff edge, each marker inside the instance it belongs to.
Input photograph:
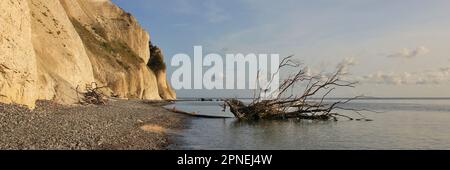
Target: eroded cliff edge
(49, 47)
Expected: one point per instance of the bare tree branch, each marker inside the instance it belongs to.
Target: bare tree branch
(287, 104)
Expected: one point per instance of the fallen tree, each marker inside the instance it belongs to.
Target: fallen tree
(92, 95)
(309, 104)
(195, 114)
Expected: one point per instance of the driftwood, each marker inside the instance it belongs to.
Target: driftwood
(194, 114)
(309, 104)
(92, 95)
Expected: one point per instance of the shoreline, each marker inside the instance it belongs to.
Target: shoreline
(119, 125)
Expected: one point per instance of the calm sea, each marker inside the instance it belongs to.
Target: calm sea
(398, 124)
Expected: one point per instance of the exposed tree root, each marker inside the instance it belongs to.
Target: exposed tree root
(92, 95)
(300, 106)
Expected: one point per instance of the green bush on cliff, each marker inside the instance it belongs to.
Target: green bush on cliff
(117, 53)
(156, 62)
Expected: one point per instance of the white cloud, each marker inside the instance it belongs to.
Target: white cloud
(387, 78)
(410, 53)
(310, 72)
(438, 76)
(347, 63)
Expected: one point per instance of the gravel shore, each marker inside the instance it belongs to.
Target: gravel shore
(121, 125)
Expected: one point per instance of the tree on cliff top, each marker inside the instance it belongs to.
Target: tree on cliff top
(156, 62)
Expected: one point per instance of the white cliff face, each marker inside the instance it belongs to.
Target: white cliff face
(62, 61)
(17, 58)
(49, 47)
(164, 88)
(116, 24)
(117, 46)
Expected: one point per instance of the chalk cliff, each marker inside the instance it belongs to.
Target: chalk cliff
(50, 47)
(18, 68)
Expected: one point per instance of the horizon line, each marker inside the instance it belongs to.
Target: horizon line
(333, 98)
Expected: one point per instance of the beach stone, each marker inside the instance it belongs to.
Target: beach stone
(65, 127)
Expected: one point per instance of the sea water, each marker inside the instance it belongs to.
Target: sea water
(397, 124)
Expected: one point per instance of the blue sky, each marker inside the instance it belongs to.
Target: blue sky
(396, 47)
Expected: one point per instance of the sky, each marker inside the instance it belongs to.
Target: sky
(394, 48)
